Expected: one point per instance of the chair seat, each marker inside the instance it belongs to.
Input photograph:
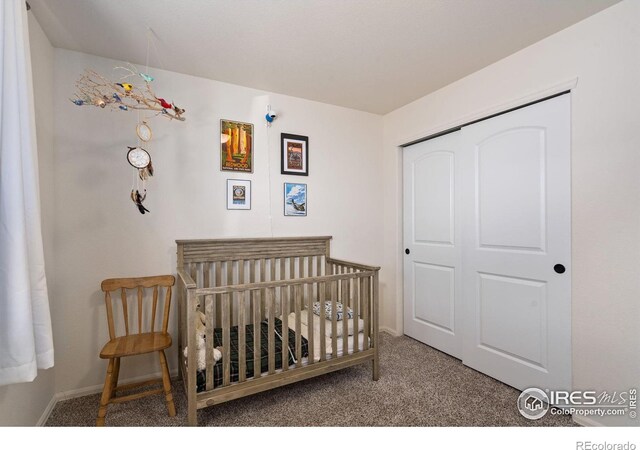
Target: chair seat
(135, 344)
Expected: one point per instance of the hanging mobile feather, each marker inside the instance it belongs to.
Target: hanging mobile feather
(138, 198)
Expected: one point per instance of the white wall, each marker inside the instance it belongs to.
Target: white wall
(100, 234)
(23, 404)
(602, 52)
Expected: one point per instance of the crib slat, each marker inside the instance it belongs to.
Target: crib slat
(301, 268)
(280, 264)
(209, 340)
(284, 295)
(206, 274)
(226, 341)
(334, 292)
(292, 296)
(310, 286)
(298, 294)
(263, 271)
(242, 337)
(257, 350)
(366, 310)
(334, 319)
(310, 327)
(316, 286)
(345, 318)
(356, 317)
(323, 334)
(125, 312)
(155, 306)
(270, 301)
(218, 303)
(272, 275)
(252, 279)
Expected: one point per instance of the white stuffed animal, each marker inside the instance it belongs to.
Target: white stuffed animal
(200, 344)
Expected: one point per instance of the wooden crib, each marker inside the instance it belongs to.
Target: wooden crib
(244, 283)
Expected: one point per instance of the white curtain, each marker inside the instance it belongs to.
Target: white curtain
(26, 343)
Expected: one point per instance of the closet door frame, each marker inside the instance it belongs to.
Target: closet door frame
(562, 89)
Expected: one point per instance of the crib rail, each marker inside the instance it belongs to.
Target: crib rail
(269, 279)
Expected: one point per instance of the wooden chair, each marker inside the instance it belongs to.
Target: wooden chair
(136, 344)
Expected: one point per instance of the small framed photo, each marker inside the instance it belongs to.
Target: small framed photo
(238, 194)
(236, 146)
(295, 154)
(295, 199)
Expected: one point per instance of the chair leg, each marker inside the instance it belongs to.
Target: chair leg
(106, 394)
(166, 383)
(114, 377)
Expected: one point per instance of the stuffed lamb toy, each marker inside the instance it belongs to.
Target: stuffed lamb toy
(200, 344)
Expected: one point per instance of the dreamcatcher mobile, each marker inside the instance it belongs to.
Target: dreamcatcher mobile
(140, 160)
(95, 90)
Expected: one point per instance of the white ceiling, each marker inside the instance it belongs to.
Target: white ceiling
(371, 55)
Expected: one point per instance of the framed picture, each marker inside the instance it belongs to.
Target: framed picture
(295, 154)
(236, 146)
(238, 194)
(295, 199)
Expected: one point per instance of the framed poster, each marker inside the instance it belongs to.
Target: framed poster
(236, 146)
(295, 199)
(294, 154)
(238, 194)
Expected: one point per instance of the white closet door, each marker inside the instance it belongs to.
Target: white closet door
(516, 230)
(432, 278)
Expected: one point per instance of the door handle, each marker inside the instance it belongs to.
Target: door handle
(559, 268)
(407, 251)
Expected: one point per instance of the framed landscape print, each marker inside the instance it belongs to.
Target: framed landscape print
(236, 146)
(294, 154)
(295, 199)
(238, 194)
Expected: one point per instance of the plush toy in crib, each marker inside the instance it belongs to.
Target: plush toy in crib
(200, 344)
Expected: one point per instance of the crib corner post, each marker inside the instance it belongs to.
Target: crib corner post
(192, 358)
(376, 340)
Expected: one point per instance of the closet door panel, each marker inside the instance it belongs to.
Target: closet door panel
(516, 231)
(432, 237)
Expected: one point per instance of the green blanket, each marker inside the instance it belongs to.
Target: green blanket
(250, 354)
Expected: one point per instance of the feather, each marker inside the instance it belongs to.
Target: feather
(147, 78)
(138, 199)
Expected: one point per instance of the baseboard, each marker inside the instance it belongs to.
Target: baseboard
(586, 421)
(96, 389)
(47, 411)
(391, 331)
(90, 390)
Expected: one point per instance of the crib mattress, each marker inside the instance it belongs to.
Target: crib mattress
(250, 354)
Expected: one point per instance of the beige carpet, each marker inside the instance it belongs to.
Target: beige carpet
(418, 386)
